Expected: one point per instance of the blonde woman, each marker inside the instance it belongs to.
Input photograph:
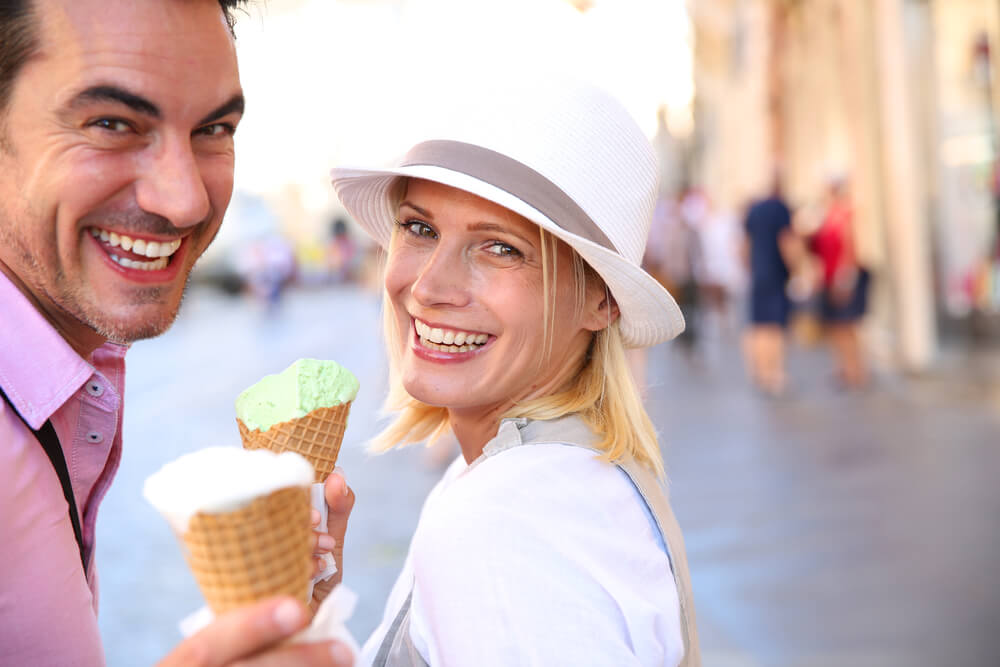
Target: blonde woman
(512, 289)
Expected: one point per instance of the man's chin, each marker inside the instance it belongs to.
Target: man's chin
(127, 332)
(139, 324)
(142, 315)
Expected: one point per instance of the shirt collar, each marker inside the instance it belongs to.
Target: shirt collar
(519, 430)
(39, 370)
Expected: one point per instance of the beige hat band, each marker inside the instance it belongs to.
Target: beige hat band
(514, 178)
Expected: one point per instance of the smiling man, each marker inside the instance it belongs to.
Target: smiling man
(116, 166)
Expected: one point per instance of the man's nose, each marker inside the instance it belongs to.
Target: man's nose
(173, 186)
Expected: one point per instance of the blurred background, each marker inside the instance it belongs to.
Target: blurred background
(835, 480)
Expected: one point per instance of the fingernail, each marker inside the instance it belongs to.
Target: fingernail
(341, 654)
(315, 517)
(340, 471)
(326, 543)
(288, 616)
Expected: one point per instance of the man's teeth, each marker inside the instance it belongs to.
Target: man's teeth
(155, 265)
(450, 340)
(151, 249)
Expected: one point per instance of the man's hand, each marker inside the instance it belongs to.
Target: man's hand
(340, 502)
(252, 636)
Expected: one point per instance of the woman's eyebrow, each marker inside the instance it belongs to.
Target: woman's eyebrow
(496, 228)
(423, 212)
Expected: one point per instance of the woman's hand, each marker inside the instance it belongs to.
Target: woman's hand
(254, 636)
(340, 502)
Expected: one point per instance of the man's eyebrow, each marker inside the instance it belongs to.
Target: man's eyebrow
(106, 93)
(234, 104)
(423, 212)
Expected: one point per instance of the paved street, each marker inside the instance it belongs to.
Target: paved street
(822, 529)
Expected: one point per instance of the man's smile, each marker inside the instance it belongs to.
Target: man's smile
(136, 253)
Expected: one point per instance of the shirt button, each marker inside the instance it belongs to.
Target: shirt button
(95, 438)
(94, 389)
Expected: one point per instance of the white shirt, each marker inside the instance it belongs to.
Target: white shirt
(540, 555)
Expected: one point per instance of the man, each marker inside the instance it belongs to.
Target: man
(116, 165)
(771, 248)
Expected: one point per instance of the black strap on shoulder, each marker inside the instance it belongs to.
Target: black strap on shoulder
(46, 435)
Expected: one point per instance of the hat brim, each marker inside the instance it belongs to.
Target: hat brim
(649, 314)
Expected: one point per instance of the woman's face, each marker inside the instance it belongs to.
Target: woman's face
(465, 282)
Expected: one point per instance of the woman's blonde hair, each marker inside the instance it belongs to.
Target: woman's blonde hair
(602, 392)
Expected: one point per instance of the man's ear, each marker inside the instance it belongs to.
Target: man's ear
(600, 310)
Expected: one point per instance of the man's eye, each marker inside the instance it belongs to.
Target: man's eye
(112, 124)
(218, 129)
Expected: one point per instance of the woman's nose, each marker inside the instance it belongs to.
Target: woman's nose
(442, 279)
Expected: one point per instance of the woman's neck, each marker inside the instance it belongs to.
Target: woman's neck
(475, 427)
(473, 431)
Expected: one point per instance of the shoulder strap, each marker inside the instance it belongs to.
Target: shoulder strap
(573, 433)
(397, 649)
(654, 495)
(47, 437)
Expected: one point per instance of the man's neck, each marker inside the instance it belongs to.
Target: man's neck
(78, 335)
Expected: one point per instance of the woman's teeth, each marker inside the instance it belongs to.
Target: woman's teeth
(158, 251)
(449, 340)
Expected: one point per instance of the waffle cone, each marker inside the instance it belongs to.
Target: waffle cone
(316, 436)
(252, 553)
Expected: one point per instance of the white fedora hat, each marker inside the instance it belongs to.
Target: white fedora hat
(559, 152)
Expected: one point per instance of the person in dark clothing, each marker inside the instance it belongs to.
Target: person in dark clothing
(769, 244)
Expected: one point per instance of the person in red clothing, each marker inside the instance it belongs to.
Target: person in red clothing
(844, 285)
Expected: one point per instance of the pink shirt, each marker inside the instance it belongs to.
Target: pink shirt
(48, 610)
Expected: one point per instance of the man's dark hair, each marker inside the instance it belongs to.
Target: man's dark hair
(19, 39)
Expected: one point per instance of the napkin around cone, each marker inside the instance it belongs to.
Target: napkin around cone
(317, 436)
(255, 552)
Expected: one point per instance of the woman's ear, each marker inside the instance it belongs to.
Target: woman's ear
(600, 309)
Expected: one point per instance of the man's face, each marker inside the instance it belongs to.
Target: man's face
(116, 161)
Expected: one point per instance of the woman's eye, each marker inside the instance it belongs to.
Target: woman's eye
(418, 228)
(503, 250)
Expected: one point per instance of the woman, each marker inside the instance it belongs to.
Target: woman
(512, 288)
(844, 296)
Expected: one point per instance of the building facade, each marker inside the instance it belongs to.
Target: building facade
(899, 97)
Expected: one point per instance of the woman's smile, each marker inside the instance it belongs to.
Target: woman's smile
(431, 343)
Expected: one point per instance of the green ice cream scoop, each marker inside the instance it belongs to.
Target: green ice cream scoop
(304, 386)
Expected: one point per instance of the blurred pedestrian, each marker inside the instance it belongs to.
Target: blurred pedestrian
(685, 261)
(513, 287)
(770, 246)
(720, 275)
(844, 297)
(342, 253)
(116, 166)
(267, 265)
